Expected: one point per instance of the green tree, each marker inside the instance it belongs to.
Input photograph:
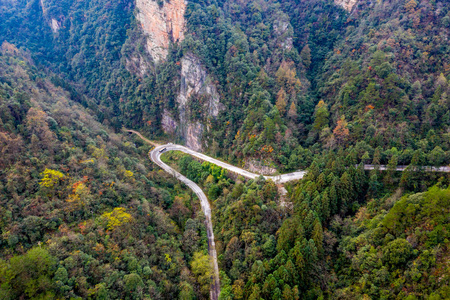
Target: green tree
(269, 129)
(186, 291)
(305, 54)
(134, 285)
(201, 267)
(397, 252)
(436, 157)
(28, 275)
(321, 115)
(317, 234)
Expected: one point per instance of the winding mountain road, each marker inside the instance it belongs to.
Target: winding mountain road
(444, 169)
(155, 156)
(277, 179)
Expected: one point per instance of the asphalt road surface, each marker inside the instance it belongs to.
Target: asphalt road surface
(277, 179)
(155, 156)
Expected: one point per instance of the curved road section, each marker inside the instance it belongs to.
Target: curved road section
(155, 156)
(277, 179)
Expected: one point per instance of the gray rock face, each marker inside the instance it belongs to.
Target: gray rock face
(259, 167)
(169, 125)
(55, 25)
(346, 4)
(284, 32)
(194, 136)
(137, 64)
(195, 81)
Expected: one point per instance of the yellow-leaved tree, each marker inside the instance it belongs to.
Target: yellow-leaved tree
(201, 267)
(51, 178)
(281, 101)
(80, 197)
(117, 218)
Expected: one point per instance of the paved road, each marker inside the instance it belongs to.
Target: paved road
(277, 179)
(403, 168)
(155, 156)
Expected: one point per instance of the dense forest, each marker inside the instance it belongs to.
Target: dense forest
(339, 233)
(83, 214)
(300, 85)
(290, 75)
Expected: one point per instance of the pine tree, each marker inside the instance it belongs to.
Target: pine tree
(317, 234)
(305, 55)
(287, 293)
(281, 102)
(325, 205)
(333, 199)
(292, 113)
(321, 116)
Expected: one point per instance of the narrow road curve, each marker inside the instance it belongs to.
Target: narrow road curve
(142, 137)
(155, 156)
(444, 169)
(277, 179)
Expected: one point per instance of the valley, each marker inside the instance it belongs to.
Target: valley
(224, 149)
(158, 150)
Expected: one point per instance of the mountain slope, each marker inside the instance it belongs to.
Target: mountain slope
(82, 213)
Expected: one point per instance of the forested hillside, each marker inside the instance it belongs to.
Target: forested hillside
(82, 212)
(272, 86)
(388, 78)
(340, 233)
(288, 74)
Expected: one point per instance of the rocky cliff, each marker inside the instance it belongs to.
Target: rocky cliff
(54, 24)
(195, 84)
(162, 21)
(346, 4)
(283, 32)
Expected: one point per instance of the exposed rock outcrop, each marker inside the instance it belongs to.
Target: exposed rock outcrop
(259, 168)
(284, 33)
(137, 64)
(168, 123)
(162, 22)
(194, 136)
(55, 25)
(194, 82)
(346, 4)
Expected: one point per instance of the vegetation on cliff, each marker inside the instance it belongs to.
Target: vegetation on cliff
(302, 85)
(83, 214)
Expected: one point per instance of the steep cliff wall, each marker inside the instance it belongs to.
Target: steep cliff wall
(54, 24)
(162, 24)
(346, 4)
(137, 64)
(195, 82)
(283, 32)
